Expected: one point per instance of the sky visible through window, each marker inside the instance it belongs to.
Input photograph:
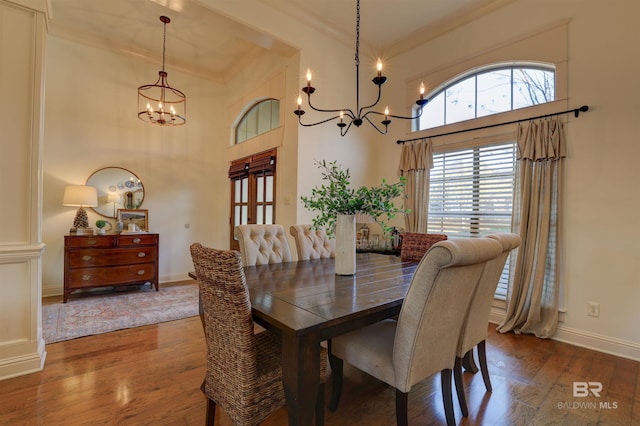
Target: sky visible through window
(489, 92)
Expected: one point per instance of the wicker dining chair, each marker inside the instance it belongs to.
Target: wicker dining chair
(416, 244)
(244, 369)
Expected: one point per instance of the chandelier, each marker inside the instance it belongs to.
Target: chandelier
(346, 116)
(160, 103)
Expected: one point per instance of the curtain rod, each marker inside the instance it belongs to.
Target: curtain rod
(576, 111)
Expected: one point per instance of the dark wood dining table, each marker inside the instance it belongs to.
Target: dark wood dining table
(306, 303)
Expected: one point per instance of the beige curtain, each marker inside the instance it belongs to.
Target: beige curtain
(416, 160)
(532, 300)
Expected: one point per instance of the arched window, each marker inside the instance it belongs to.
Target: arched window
(259, 119)
(488, 91)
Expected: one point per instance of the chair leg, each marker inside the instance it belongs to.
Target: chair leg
(402, 418)
(447, 397)
(211, 412)
(457, 376)
(320, 406)
(469, 363)
(336, 389)
(482, 357)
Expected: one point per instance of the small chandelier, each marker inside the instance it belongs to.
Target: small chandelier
(160, 103)
(346, 116)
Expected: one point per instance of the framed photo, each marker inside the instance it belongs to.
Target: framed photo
(138, 217)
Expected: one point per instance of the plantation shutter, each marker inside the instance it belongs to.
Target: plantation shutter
(471, 194)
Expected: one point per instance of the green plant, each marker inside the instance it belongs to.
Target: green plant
(337, 197)
(101, 223)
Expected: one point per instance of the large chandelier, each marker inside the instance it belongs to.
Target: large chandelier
(160, 103)
(346, 116)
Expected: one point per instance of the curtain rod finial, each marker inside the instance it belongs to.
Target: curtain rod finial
(583, 108)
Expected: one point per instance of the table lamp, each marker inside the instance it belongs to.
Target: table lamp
(81, 196)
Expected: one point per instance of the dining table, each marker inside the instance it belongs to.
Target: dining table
(306, 303)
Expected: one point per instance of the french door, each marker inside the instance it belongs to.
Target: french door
(253, 187)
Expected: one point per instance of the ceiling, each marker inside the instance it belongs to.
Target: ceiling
(207, 43)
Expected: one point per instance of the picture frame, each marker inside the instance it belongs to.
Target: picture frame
(139, 217)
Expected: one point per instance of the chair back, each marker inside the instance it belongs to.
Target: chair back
(262, 244)
(231, 343)
(311, 243)
(435, 307)
(475, 327)
(415, 244)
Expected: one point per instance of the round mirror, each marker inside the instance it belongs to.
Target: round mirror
(117, 188)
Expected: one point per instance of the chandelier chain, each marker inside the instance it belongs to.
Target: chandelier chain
(358, 33)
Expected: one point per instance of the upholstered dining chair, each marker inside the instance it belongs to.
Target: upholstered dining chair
(416, 244)
(262, 244)
(244, 370)
(424, 339)
(311, 243)
(474, 329)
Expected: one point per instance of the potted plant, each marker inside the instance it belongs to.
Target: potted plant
(102, 226)
(336, 204)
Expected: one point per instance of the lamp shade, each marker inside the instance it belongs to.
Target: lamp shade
(80, 195)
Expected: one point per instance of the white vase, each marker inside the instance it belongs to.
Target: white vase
(345, 244)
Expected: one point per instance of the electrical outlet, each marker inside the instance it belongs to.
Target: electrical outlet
(593, 309)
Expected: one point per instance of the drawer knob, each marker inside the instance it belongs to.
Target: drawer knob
(141, 272)
(136, 240)
(87, 277)
(85, 258)
(142, 254)
(92, 242)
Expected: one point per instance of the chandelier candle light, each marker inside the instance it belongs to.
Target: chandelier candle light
(160, 103)
(346, 114)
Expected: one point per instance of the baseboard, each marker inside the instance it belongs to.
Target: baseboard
(50, 291)
(585, 339)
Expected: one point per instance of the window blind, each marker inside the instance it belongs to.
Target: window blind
(471, 194)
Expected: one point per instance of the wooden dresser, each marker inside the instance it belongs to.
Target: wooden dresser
(109, 260)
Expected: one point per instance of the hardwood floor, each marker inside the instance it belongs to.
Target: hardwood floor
(152, 374)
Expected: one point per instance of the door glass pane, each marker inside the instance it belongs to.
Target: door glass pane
(461, 101)
(236, 215)
(237, 192)
(260, 189)
(269, 189)
(268, 215)
(259, 215)
(494, 92)
(245, 190)
(243, 219)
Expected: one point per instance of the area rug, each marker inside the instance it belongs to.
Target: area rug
(85, 315)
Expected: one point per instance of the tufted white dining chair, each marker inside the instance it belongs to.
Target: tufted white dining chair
(311, 243)
(262, 244)
(424, 339)
(474, 329)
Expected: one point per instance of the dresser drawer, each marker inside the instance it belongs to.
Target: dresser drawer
(93, 277)
(136, 240)
(102, 241)
(84, 258)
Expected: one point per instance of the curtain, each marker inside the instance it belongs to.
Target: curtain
(532, 299)
(416, 160)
